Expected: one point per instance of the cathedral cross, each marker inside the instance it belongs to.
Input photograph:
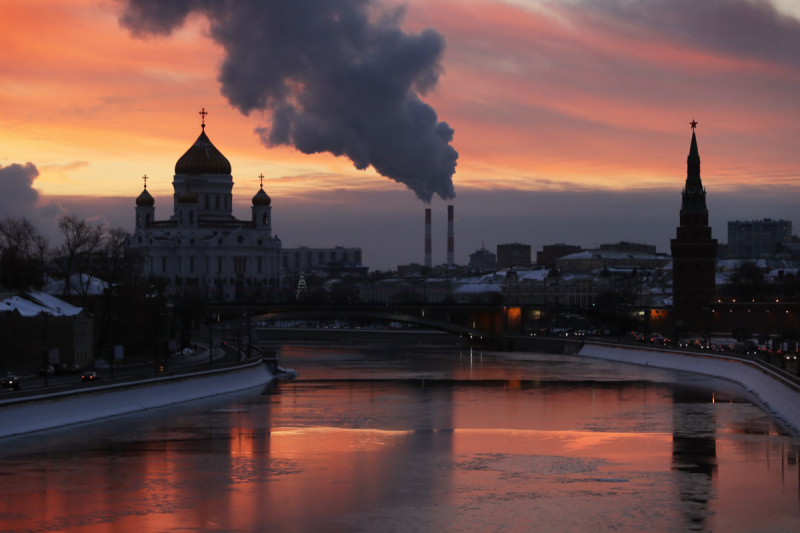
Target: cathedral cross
(203, 114)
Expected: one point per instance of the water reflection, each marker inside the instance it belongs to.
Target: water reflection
(427, 440)
(694, 454)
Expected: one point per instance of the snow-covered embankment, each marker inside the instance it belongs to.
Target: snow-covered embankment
(779, 395)
(102, 401)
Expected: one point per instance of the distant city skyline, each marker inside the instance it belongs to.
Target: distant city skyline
(570, 120)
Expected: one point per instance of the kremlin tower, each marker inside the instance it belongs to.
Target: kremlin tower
(694, 253)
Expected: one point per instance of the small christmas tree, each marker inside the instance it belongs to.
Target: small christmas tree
(302, 292)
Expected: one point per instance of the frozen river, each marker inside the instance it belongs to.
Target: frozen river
(420, 438)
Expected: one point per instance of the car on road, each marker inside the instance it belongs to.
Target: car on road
(10, 382)
(90, 376)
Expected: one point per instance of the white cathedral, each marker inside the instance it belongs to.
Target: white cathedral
(202, 250)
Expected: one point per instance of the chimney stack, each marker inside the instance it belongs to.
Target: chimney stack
(428, 248)
(450, 237)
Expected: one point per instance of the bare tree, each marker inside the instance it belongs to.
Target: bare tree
(114, 261)
(81, 241)
(22, 253)
(113, 267)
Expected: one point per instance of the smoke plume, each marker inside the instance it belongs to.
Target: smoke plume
(338, 76)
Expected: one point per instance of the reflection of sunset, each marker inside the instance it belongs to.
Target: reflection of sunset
(244, 442)
(511, 444)
(581, 443)
(313, 440)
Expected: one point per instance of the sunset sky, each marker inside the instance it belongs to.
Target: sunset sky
(570, 118)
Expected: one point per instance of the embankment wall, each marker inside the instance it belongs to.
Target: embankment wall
(101, 401)
(777, 392)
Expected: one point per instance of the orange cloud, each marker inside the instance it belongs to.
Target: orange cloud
(551, 97)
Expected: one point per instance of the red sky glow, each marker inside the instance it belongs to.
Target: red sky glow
(543, 96)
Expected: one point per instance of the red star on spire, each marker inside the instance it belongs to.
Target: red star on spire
(693, 123)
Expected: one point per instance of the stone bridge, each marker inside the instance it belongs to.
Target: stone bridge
(421, 318)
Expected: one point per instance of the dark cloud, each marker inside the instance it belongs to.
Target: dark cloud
(18, 195)
(744, 28)
(337, 76)
(18, 198)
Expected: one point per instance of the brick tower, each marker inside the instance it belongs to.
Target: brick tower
(693, 253)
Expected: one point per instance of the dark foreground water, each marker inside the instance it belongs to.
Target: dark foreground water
(390, 439)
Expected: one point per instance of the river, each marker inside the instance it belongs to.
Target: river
(392, 437)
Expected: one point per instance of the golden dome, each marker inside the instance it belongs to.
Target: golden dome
(203, 158)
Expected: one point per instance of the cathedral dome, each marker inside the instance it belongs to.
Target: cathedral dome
(203, 158)
(261, 198)
(145, 200)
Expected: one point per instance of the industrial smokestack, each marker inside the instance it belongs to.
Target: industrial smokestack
(428, 247)
(450, 237)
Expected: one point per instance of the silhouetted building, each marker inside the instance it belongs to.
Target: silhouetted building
(513, 255)
(332, 261)
(751, 239)
(482, 260)
(547, 256)
(693, 253)
(629, 247)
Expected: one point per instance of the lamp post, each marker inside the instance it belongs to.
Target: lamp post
(211, 340)
(46, 362)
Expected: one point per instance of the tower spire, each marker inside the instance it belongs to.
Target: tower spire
(694, 195)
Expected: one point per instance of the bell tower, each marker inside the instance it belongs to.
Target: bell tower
(694, 253)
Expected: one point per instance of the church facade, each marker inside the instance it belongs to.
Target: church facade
(202, 251)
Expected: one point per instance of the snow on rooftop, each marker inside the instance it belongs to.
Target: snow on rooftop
(79, 284)
(610, 254)
(57, 304)
(534, 275)
(477, 288)
(26, 307)
(39, 303)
